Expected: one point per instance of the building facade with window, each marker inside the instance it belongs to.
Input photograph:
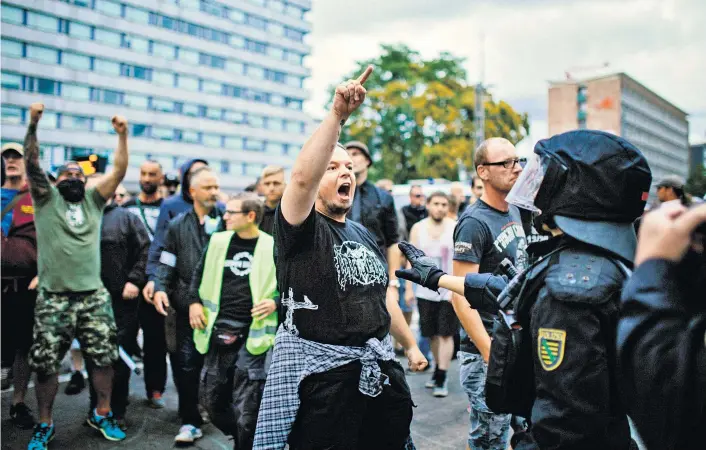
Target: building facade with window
(621, 105)
(216, 79)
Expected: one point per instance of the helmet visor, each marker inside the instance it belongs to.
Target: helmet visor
(527, 185)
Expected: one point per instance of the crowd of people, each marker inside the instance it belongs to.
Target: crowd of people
(283, 308)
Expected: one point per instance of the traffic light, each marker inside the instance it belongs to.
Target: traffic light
(92, 164)
(582, 102)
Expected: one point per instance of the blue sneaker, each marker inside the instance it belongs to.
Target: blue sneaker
(107, 425)
(43, 434)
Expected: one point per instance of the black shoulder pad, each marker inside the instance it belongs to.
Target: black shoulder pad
(583, 277)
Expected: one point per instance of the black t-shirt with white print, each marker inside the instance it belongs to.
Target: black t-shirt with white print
(333, 280)
(236, 296)
(486, 236)
(147, 212)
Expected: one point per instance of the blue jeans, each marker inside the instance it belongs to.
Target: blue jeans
(489, 431)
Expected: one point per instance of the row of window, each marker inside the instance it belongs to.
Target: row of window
(212, 7)
(85, 93)
(83, 62)
(50, 120)
(115, 38)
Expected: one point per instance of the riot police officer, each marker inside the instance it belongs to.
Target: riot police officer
(585, 188)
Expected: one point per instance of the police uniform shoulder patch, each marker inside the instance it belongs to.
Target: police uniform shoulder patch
(550, 348)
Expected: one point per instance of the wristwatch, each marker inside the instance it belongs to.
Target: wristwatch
(394, 283)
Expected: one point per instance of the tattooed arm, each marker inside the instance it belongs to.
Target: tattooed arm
(36, 178)
(108, 183)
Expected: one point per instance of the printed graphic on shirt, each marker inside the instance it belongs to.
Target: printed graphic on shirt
(507, 236)
(357, 265)
(75, 216)
(293, 305)
(463, 247)
(241, 264)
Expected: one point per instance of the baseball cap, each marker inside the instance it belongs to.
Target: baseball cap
(360, 146)
(69, 166)
(13, 146)
(673, 181)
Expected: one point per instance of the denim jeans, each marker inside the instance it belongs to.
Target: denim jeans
(488, 431)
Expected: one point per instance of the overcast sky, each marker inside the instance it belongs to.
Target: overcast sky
(660, 43)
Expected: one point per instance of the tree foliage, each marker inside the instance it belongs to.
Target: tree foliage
(696, 184)
(418, 119)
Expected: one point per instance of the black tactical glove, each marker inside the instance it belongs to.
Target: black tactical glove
(482, 291)
(424, 270)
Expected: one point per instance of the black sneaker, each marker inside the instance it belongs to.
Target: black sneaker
(76, 385)
(21, 416)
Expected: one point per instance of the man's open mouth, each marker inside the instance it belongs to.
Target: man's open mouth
(344, 190)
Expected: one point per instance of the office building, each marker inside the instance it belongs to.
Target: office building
(619, 104)
(215, 79)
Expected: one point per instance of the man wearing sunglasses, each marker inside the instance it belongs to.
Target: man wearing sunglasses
(488, 231)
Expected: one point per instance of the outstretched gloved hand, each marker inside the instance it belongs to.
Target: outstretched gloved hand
(424, 270)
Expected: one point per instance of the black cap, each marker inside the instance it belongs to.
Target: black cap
(362, 147)
(596, 184)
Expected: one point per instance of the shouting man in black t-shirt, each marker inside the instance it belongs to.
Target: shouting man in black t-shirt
(487, 232)
(335, 336)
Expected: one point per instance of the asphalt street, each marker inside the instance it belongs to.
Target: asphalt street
(438, 423)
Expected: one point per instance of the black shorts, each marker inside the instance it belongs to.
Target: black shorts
(334, 414)
(17, 321)
(437, 318)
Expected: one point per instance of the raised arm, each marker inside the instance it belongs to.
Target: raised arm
(300, 195)
(37, 179)
(108, 183)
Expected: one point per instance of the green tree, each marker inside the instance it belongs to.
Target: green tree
(419, 115)
(696, 184)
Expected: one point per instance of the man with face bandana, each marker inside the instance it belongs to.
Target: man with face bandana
(72, 300)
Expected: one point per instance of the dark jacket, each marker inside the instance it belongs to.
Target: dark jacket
(19, 247)
(573, 324)
(377, 214)
(171, 207)
(124, 246)
(184, 245)
(268, 220)
(412, 216)
(662, 355)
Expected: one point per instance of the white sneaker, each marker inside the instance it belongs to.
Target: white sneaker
(188, 434)
(441, 391)
(430, 384)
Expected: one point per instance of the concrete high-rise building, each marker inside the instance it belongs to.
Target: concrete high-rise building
(620, 105)
(215, 79)
(697, 157)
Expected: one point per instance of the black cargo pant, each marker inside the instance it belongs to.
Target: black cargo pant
(334, 414)
(232, 386)
(126, 321)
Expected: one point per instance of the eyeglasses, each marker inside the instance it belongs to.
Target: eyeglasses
(231, 212)
(120, 195)
(508, 164)
(417, 195)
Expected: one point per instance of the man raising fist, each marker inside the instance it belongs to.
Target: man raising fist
(333, 280)
(72, 301)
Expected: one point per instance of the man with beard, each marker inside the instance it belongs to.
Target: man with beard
(72, 299)
(186, 237)
(146, 206)
(415, 211)
(334, 380)
(19, 278)
(487, 232)
(435, 236)
(272, 186)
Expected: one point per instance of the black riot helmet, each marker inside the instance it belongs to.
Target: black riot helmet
(590, 184)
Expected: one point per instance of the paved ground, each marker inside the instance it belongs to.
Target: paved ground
(438, 423)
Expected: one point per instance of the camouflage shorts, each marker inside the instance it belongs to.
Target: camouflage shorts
(59, 318)
(488, 431)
